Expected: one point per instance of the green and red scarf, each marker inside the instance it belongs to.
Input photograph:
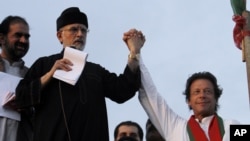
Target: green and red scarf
(215, 131)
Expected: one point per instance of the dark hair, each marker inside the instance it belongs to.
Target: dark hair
(152, 134)
(129, 123)
(5, 25)
(203, 75)
(148, 122)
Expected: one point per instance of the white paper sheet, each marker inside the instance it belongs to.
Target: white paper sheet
(78, 58)
(8, 85)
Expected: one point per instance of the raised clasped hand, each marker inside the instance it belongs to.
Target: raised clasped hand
(134, 40)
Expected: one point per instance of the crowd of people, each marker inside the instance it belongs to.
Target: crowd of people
(49, 109)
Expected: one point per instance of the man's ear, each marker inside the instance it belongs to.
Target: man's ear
(1, 39)
(188, 103)
(59, 36)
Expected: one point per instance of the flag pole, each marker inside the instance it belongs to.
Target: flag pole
(241, 34)
(246, 47)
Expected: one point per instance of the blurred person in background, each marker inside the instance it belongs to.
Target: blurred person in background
(128, 131)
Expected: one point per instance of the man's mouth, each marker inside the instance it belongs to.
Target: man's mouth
(22, 48)
(79, 42)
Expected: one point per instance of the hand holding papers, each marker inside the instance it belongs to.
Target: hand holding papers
(8, 85)
(7, 89)
(78, 58)
(8, 101)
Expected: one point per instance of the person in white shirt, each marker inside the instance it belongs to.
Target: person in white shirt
(14, 43)
(202, 96)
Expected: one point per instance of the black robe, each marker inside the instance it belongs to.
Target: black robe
(63, 110)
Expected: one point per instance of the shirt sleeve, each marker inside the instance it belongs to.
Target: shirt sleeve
(165, 120)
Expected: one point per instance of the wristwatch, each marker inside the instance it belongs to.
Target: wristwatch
(134, 56)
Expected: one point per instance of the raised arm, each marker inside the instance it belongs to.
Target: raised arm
(166, 121)
(134, 40)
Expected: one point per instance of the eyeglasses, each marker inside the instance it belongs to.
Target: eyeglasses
(74, 30)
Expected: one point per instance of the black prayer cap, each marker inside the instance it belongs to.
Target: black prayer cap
(71, 15)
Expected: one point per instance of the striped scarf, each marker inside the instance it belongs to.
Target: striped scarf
(215, 131)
